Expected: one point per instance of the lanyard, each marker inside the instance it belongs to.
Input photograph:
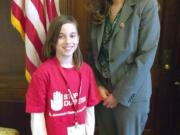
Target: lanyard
(74, 101)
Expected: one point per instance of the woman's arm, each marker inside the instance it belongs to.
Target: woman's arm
(38, 125)
(90, 121)
(138, 70)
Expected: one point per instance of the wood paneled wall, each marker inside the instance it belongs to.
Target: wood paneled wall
(12, 82)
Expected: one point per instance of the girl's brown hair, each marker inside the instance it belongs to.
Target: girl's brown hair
(98, 9)
(52, 38)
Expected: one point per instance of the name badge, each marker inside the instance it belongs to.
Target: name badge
(78, 129)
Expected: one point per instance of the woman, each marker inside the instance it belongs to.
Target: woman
(124, 40)
(62, 93)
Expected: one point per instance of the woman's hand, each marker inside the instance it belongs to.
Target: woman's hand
(110, 102)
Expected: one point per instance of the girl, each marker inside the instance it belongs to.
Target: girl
(62, 93)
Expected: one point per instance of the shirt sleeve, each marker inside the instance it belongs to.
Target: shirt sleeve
(36, 94)
(93, 93)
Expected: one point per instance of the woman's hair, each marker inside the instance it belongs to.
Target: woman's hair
(98, 9)
(49, 50)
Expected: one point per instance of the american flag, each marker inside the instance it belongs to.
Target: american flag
(31, 19)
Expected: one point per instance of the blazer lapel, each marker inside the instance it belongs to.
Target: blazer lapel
(100, 31)
(125, 14)
(127, 10)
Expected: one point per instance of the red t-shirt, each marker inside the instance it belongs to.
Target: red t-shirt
(48, 93)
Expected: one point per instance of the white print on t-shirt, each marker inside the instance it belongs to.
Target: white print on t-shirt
(59, 100)
(67, 112)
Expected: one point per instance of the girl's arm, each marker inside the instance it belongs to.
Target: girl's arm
(103, 92)
(38, 125)
(90, 121)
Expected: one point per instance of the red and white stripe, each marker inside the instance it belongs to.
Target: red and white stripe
(31, 18)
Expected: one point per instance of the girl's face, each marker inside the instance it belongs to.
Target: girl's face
(68, 41)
